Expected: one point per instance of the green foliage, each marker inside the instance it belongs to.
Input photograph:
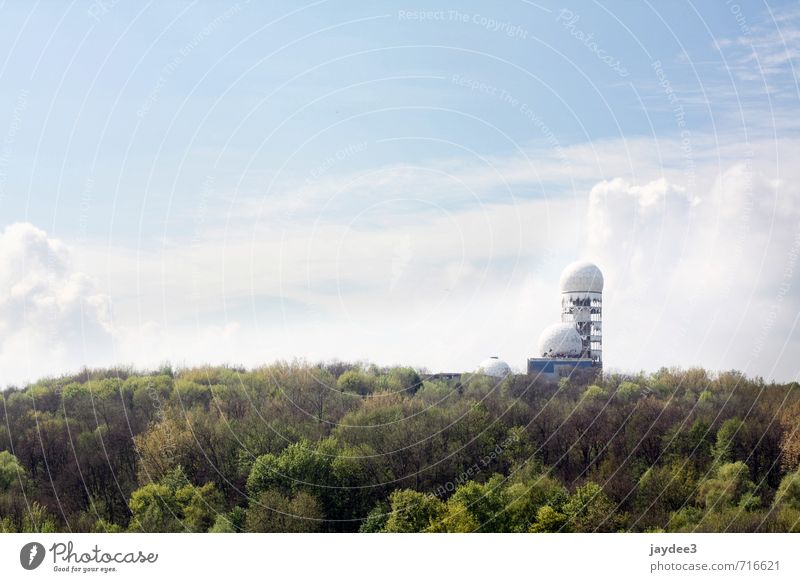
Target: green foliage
(549, 520)
(412, 511)
(729, 486)
(11, 471)
(274, 512)
(356, 381)
(726, 445)
(38, 520)
(174, 505)
(526, 498)
(789, 491)
(664, 489)
(596, 393)
(406, 378)
(294, 446)
(191, 394)
(589, 509)
(300, 465)
(485, 503)
(376, 519)
(233, 521)
(628, 391)
(155, 509)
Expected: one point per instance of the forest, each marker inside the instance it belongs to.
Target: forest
(337, 447)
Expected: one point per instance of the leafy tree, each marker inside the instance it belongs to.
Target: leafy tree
(628, 391)
(730, 485)
(527, 496)
(595, 392)
(789, 491)
(728, 445)
(485, 503)
(589, 509)
(38, 520)
(413, 511)
(457, 518)
(664, 489)
(376, 519)
(356, 381)
(155, 509)
(174, 505)
(299, 466)
(407, 378)
(550, 520)
(786, 505)
(173, 450)
(231, 522)
(11, 471)
(275, 512)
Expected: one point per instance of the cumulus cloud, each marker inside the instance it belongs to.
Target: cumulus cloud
(51, 316)
(693, 281)
(698, 272)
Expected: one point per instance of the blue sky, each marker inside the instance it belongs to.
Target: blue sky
(393, 182)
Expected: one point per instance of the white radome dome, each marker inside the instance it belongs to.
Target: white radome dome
(494, 367)
(581, 276)
(560, 340)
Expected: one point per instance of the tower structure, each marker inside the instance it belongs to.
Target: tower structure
(582, 306)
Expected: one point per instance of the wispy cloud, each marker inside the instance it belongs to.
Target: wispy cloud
(767, 53)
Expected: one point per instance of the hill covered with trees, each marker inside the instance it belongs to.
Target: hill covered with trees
(295, 447)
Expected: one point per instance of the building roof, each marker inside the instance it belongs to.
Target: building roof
(581, 276)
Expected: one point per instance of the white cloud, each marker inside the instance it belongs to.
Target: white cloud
(696, 270)
(51, 316)
(692, 282)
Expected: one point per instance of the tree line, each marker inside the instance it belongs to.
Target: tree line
(337, 447)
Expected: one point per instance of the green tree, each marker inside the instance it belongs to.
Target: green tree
(730, 485)
(376, 519)
(457, 518)
(11, 471)
(728, 445)
(549, 520)
(275, 512)
(589, 509)
(486, 503)
(174, 505)
(356, 381)
(789, 491)
(413, 511)
(664, 489)
(528, 495)
(628, 392)
(38, 520)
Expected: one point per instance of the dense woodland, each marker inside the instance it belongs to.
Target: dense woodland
(296, 447)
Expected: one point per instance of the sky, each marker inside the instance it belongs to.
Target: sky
(398, 183)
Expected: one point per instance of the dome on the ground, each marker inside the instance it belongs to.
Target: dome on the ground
(494, 367)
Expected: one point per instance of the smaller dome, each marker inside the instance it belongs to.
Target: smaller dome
(581, 276)
(494, 367)
(560, 340)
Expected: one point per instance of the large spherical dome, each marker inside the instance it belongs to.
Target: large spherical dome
(581, 276)
(494, 367)
(560, 340)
